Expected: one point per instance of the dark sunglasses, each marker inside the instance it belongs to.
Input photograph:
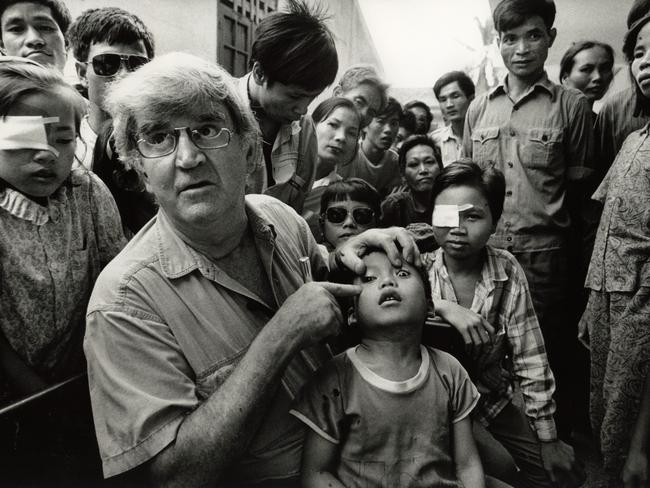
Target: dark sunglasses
(109, 64)
(361, 215)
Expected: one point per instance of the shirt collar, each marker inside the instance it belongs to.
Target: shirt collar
(493, 270)
(543, 83)
(178, 259)
(446, 134)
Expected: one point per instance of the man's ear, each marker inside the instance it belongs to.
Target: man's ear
(552, 34)
(352, 316)
(81, 69)
(338, 91)
(258, 74)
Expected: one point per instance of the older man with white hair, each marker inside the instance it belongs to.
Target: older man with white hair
(203, 329)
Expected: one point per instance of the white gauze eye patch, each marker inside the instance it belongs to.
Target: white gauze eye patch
(449, 215)
(26, 132)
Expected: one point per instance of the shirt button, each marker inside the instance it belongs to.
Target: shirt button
(512, 133)
(510, 165)
(509, 193)
(509, 239)
(508, 224)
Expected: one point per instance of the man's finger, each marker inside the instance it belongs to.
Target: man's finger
(351, 261)
(340, 289)
(489, 327)
(410, 250)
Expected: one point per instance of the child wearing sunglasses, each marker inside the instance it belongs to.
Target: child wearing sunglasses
(389, 412)
(58, 228)
(348, 207)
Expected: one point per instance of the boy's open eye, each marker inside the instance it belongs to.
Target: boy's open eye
(368, 278)
(403, 273)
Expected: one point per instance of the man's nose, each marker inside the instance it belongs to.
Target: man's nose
(188, 155)
(33, 37)
(301, 106)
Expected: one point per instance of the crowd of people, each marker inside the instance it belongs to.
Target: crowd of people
(356, 296)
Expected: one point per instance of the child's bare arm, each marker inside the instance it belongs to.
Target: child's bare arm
(21, 377)
(468, 464)
(476, 331)
(318, 460)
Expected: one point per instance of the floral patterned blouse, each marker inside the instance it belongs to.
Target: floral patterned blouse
(50, 257)
(620, 261)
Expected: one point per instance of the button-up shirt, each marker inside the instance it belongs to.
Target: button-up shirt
(540, 143)
(50, 257)
(166, 327)
(502, 298)
(450, 146)
(620, 261)
(293, 159)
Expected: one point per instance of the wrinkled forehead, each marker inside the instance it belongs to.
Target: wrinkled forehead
(172, 115)
(26, 11)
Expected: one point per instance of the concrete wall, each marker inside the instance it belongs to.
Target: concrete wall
(189, 26)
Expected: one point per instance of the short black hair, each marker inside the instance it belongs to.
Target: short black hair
(327, 106)
(509, 14)
(296, 47)
(464, 82)
(392, 107)
(489, 181)
(567, 62)
(421, 104)
(407, 121)
(60, 12)
(110, 25)
(351, 189)
(412, 141)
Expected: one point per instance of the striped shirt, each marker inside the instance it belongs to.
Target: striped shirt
(502, 297)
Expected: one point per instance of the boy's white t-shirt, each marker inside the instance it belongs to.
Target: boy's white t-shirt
(389, 433)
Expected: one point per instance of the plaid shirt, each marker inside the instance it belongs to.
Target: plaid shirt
(502, 297)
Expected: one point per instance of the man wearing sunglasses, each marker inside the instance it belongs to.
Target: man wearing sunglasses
(293, 59)
(106, 43)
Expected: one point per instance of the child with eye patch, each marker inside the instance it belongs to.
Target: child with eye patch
(483, 293)
(389, 412)
(58, 228)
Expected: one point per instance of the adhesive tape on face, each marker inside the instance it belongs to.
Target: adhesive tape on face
(448, 215)
(26, 132)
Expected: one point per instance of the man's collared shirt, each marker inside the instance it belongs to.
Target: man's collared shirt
(166, 327)
(502, 298)
(293, 159)
(540, 143)
(450, 146)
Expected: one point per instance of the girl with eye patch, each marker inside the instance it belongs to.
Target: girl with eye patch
(58, 228)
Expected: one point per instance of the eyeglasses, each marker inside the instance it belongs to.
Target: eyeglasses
(360, 215)
(109, 64)
(164, 142)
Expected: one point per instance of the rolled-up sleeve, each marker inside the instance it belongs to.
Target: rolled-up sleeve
(137, 410)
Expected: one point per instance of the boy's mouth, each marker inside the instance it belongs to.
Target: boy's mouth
(389, 296)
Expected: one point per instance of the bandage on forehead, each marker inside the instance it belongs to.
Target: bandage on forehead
(26, 132)
(449, 215)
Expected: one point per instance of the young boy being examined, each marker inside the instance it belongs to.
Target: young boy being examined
(389, 412)
(362, 85)
(374, 162)
(482, 292)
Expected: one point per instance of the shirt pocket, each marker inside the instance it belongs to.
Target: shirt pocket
(284, 166)
(485, 145)
(209, 380)
(542, 148)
